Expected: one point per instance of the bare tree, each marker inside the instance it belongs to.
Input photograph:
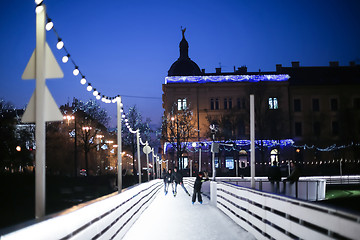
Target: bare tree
(178, 127)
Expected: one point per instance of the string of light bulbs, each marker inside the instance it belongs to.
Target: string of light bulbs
(67, 57)
(76, 72)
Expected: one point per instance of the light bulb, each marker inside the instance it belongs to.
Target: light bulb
(76, 71)
(65, 58)
(60, 44)
(89, 87)
(114, 100)
(95, 93)
(103, 98)
(83, 80)
(98, 97)
(49, 25)
(38, 1)
(39, 9)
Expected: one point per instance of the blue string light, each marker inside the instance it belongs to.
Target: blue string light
(227, 78)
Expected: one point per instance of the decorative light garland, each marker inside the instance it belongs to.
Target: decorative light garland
(60, 45)
(227, 78)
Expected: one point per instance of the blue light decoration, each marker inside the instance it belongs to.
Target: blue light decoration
(241, 143)
(227, 78)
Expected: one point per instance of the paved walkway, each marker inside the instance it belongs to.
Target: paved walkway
(170, 217)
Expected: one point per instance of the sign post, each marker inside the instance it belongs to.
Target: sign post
(41, 107)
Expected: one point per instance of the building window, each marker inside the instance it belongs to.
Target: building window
(181, 104)
(230, 103)
(229, 162)
(238, 103)
(216, 103)
(357, 103)
(297, 105)
(335, 128)
(317, 128)
(212, 107)
(334, 104)
(225, 103)
(243, 103)
(273, 103)
(298, 129)
(316, 105)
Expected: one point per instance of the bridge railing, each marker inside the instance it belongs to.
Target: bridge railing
(309, 189)
(106, 218)
(267, 215)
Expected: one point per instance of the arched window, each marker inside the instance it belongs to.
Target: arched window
(274, 156)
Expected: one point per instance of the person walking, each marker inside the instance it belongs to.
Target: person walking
(178, 179)
(197, 188)
(274, 176)
(168, 179)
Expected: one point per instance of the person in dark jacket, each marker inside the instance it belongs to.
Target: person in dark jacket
(168, 179)
(274, 176)
(197, 187)
(178, 179)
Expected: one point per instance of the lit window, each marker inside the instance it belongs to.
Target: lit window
(273, 103)
(181, 104)
(184, 103)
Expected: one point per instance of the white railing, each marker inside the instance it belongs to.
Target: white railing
(348, 179)
(270, 216)
(107, 218)
(309, 189)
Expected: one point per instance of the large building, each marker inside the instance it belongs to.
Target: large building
(305, 114)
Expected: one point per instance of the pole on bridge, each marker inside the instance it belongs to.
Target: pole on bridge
(252, 140)
(119, 142)
(138, 153)
(41, 108)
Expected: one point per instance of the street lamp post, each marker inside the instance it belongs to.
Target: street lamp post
(68, 118)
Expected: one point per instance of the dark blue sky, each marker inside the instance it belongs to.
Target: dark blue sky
(127, 47)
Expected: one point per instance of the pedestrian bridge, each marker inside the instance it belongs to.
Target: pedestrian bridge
(230, 212)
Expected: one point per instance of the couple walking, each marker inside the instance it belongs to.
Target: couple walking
(171, 178)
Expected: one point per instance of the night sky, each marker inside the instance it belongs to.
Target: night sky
(127, 47)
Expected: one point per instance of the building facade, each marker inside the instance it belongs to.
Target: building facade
(303, 114)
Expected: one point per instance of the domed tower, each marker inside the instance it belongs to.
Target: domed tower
(184, 66)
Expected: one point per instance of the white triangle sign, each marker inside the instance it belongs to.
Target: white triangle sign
(53, 69)
(51, 110)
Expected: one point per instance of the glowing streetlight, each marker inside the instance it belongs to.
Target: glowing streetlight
(18, 148)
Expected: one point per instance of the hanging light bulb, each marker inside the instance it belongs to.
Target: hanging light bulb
(49, 25)
(60, 44)
(89, 87)
(123, 115)
(103, 98)
(98, 96)
(83, 80)
(76, 71)
(39, 8)
(114, 100)
(95, 93)
(65, 58)
(38, 1)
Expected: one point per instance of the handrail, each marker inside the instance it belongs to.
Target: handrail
(268, 215)
(107, 219)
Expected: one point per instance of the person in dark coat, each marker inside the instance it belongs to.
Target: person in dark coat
(274, 176)
(178, 179)
(197, 188)
(293, 177)
(168, 179)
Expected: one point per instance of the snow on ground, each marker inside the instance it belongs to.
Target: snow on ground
(172, 218)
